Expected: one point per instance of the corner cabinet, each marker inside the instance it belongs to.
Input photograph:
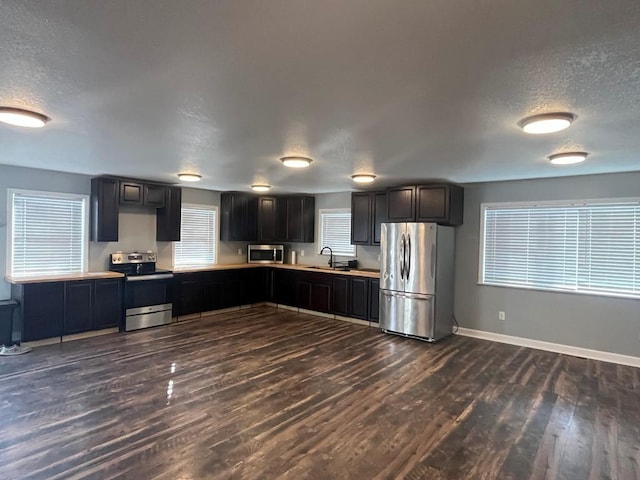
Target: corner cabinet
(440, 203)
(368, 212)
(248, 218)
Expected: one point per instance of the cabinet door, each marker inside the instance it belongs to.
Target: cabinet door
(78, 314)
(239, 217)
(266, 219)
(300, 219)
(169, 218)
(433, 203)
(361, 218)
(105, 207)
(130, 193)
(258, 281)
(190, 290)
(379, 215)
(374, 300)
(213, 291)
(401, 204)
(303, 291)
(284, 287)
(442, 204)
(153, 195)
(108, 311)
(359, 297)
(42, 310)
(234, 288)
(340, 304)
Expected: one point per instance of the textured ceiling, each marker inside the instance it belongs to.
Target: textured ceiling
(422, 89)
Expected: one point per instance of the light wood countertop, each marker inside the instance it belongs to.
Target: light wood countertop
(287, 266)
(62, 277)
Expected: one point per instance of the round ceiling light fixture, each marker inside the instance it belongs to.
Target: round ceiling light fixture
(363, 177)
(189, 177)
(568, 158)
(296, 162)
(546, 122)
(260, 188)
(22, 118)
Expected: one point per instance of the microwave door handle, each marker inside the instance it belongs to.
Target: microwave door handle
(275, 255)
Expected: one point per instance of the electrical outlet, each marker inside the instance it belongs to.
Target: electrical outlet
(302, 253)
(239, 251)
(501, 316)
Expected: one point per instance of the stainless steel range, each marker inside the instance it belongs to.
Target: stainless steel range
(147, 290)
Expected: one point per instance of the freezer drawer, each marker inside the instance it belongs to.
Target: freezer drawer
(408, 314)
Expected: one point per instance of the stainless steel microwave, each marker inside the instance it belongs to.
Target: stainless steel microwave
(265, 254)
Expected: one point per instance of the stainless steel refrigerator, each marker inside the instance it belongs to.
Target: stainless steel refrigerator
(416, 279)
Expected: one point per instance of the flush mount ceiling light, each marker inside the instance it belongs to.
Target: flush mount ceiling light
(546, 122)
(189, 177)
(260, 188)
(296, 162)
(22, 118)
(568, 158)
(363, 177)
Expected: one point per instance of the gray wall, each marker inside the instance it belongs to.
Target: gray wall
(595, 322)
(137, 226)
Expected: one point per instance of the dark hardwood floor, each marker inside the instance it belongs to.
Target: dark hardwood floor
(266, 394)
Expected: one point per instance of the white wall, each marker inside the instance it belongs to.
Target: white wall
(595, 322)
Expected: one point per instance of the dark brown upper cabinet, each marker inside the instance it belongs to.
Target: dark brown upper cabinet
(105, 208)
(153, 195)
(300, 219)
(368, 212)
(401, 202)
(440, 203)
(108, 194)
(169, 217)
(238, 217)
(267, 207)
(137, 193)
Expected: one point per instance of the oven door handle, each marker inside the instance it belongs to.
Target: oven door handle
(140, 278)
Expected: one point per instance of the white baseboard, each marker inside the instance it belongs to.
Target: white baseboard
(552, 347)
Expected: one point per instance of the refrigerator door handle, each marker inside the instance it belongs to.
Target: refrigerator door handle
(408, 267)
(402, 248)
(433, 259)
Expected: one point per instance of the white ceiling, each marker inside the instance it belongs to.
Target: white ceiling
(408, 89)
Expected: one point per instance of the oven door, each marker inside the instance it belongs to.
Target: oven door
(147, 290)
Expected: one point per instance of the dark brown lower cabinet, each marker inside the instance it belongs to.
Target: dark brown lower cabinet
(78, 307)
(189, 290)
(359, 304)
(341, 296)
(107, 299)
(54, 309)
(42, 309)
(374, 300)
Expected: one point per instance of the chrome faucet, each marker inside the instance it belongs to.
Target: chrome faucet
(330, 255)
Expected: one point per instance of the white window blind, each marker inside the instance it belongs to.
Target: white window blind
(48, 233)
(197, 245)
(589, 247)
(335, 231)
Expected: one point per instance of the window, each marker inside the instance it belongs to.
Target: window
(47, 233)
(588, 247)
(335, 231)
(198, 233)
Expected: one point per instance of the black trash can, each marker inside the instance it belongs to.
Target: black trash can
(6, 321)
